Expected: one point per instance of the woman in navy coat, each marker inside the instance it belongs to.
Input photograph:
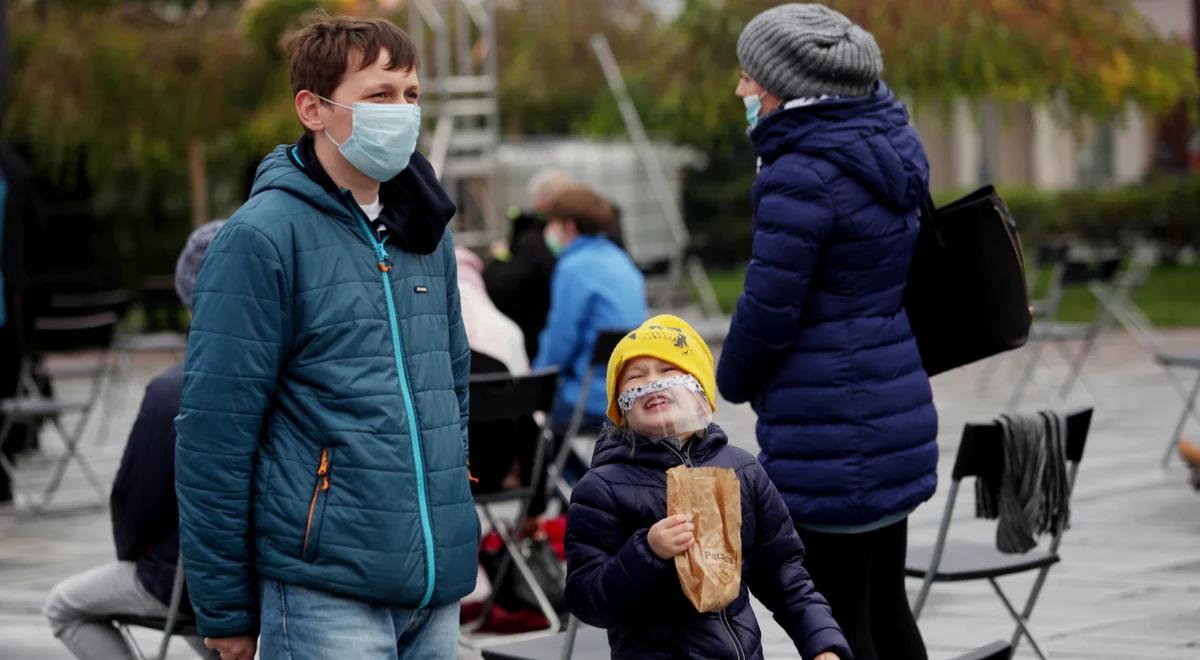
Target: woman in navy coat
(820, 344)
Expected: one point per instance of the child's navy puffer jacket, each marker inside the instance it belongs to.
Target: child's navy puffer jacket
(615, 581)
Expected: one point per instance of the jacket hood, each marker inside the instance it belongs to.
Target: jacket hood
(868, 138)
(416, 209)
(617, 445)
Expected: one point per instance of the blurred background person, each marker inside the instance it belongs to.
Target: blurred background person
(518, 278)
(595, 287)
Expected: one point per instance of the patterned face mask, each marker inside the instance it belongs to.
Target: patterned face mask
(668, 408)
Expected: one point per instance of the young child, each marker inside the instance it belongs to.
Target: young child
(621, 546)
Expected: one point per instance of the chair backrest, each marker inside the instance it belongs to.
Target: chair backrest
(606, 343)
(981, 452)
(501, 397)
(74, 333)
(486, 364)
(1086, 271)
(92, 302)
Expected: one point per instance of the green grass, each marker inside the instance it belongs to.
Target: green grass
(1170, 297)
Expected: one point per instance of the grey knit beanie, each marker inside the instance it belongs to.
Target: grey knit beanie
(808, 50)
(188, 265)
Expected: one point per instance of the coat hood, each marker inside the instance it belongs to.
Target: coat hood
(868, 138)
(416, 208)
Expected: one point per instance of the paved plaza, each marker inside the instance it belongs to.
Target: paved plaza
(1128, 586)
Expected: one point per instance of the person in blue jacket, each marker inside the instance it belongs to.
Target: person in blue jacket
(621, 545)
(321, 467)
(819, 343)
(595, 287)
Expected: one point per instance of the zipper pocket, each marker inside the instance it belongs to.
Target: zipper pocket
(316, 509)
(737, 646)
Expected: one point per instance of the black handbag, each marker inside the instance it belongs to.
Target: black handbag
(967, 297)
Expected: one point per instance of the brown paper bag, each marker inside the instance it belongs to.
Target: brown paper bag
(710, 571)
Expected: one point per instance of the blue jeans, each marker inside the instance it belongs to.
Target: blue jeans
(303, 624)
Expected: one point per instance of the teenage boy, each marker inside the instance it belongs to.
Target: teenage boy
(321, 468)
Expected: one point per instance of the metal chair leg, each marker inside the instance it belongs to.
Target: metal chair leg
(1036, 591)
(1022, 626)
(1187, 412)
(130, 642)
(568, 648)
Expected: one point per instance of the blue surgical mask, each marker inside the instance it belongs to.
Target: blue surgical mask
(753, 109)
(383, 137)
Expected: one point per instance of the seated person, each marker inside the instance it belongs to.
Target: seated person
(145, 516)
(595, 287)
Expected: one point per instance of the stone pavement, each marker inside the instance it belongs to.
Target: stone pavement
(1128, 586)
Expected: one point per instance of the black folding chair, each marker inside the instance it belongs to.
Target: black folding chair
(501, 397)
(606, 342)
(981, 453)
(1048, 331)
(175, 623)
(87, 340)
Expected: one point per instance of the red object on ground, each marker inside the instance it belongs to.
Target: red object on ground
(503, 621)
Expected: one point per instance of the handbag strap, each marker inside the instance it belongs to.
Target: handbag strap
(927, 208)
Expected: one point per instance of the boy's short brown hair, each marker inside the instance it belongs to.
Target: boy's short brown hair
(321, 52)
(591, 213)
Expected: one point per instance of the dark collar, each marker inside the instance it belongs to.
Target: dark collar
(416, 209)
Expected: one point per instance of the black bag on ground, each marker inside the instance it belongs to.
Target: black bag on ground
(966, 297)
(513, 594)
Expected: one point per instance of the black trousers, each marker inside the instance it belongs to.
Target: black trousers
(862, 577)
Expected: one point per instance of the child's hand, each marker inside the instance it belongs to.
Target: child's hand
(671, 536)
(828, 655)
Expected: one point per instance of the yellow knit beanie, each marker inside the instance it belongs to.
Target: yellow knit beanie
(670, 339)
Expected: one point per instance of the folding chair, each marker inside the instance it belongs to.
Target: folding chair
(174, 623)
(579, 642)
(86, 303)
(606, 342)
(89, 339)
(501, 397)
(981, 453)
(1189, 405)
(1059, 333)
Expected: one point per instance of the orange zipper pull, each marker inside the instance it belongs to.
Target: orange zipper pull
(323, 470)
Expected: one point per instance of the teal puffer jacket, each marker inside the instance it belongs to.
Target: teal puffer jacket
(322, 431)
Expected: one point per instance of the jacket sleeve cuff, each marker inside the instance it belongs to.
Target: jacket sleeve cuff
(826, 639)
(226, 623)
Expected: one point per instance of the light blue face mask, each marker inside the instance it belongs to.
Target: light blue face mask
(753, 109)
(383, 137)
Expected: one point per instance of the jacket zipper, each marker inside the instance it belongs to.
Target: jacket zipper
(385, 266)
(321, 486)
(737, 646)
(686, 458)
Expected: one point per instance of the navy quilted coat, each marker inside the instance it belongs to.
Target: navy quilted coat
(322, 432)
(615, 581)
(820, 343)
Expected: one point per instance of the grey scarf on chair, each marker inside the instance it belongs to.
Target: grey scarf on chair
(1032, 496)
